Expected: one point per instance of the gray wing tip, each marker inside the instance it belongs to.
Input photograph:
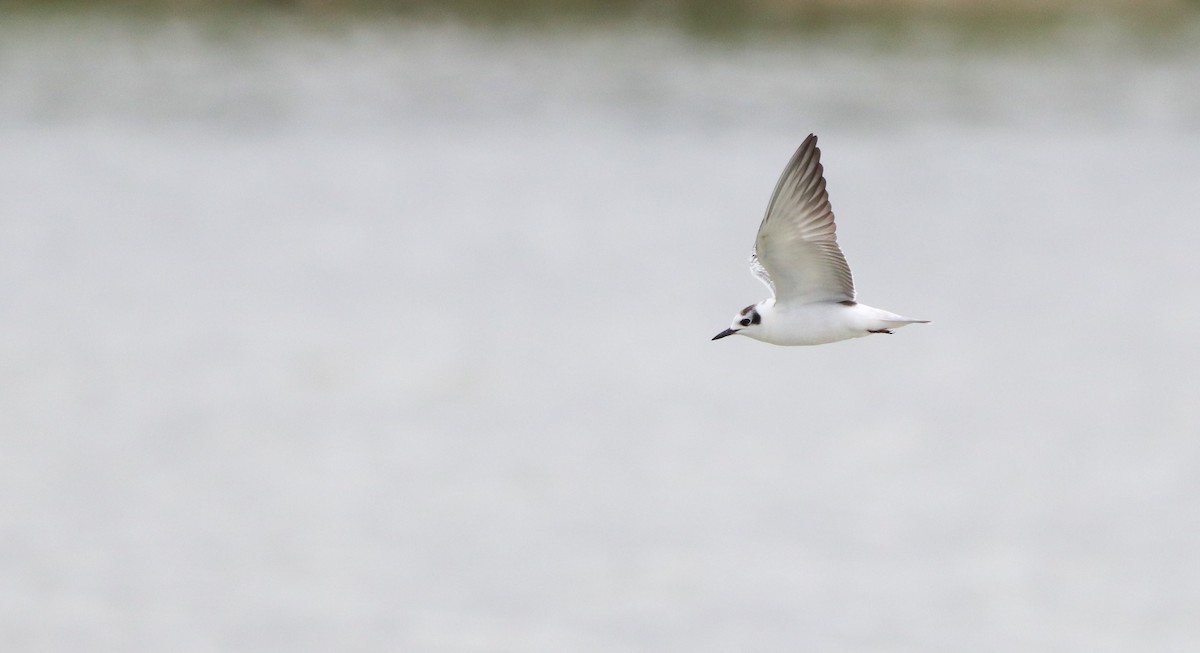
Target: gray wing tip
(809, 143)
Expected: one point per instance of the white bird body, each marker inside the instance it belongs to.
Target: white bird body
(797, 256)
(819, 323)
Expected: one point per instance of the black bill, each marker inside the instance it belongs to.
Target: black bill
(726, 332)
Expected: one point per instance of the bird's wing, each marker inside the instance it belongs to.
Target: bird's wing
(796, 247)
(759, 271)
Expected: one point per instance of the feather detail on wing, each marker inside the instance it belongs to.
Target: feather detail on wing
(796, 253)
(759, 271)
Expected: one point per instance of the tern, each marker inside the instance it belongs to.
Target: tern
(796, 255)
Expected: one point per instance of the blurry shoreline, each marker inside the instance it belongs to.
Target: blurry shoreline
(766, 11)
(987, 20)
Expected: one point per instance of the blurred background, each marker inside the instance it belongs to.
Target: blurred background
(374, 327)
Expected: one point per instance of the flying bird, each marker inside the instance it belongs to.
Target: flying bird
(797, 256)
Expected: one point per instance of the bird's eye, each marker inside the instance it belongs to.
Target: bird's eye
(744, 321)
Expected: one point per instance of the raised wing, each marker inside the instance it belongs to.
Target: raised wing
(759, 271)
(797, 240)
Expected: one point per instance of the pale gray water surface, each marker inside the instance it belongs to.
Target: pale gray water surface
(394, 336)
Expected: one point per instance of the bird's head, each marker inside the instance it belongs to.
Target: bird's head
(748, 320)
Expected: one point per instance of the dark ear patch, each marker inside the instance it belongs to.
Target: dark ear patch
(755, 318)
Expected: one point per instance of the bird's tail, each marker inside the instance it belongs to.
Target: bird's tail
(896, 321)
(879, 319)
(901, 321)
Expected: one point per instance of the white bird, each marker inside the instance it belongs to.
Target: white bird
(797, 256)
